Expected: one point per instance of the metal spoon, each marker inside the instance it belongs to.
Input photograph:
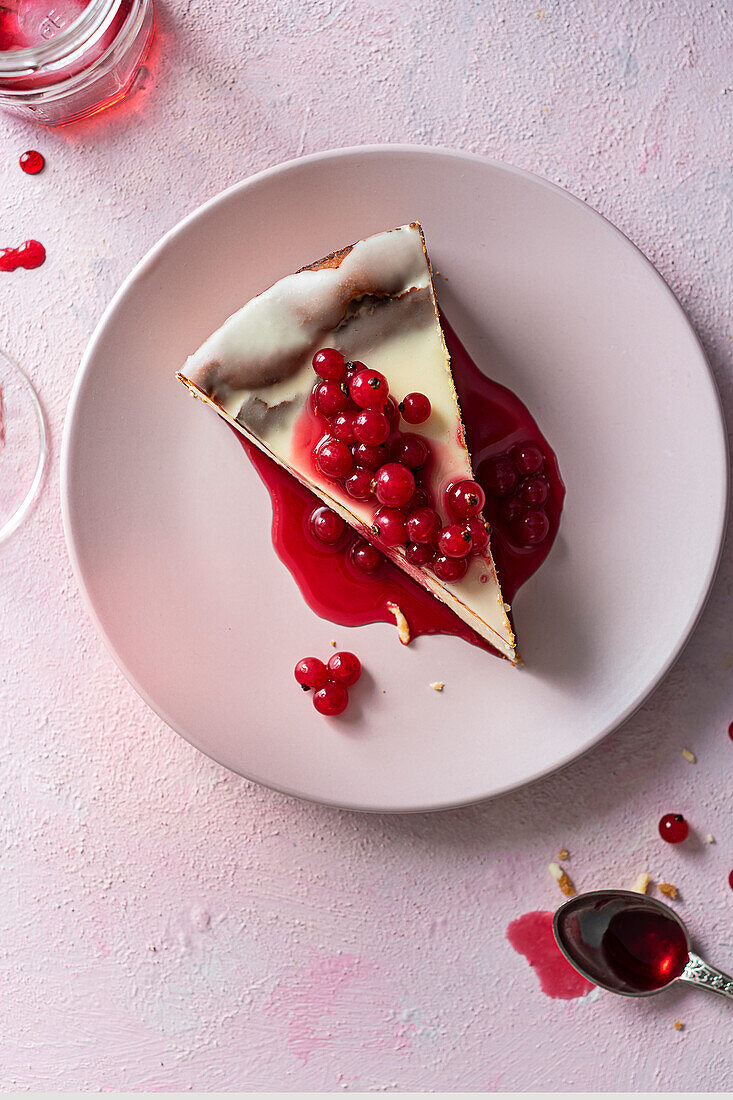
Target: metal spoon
(630, 944)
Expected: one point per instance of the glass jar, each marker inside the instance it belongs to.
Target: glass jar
(61, 60)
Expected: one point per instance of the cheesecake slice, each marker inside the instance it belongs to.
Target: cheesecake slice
(374, 302)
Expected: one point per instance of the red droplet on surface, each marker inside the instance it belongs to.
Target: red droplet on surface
(730, 731)
(531, 935)
(30, 254)
(32, 162)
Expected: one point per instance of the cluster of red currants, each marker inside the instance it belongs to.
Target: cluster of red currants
(329, 682)
(374, 461)
(515, 481)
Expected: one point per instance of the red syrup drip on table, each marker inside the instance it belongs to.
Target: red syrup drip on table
(646, 950)
(495, 420)
(32, 162)
(531, 935)
(30, 254)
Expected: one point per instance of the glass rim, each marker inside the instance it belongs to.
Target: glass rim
(33, 58)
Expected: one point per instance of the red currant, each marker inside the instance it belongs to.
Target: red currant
(499, 476)
(345, 667)
(529, 458)
(365, 556)
(730, 731)
(334, 458)
(420, 499)
(327, 525)
(329, 364)
(390, 525)
(331, 699)
(370, 457)
(419, 553)
(411, 450)
(530, 528)
(310, 672)
(359, 484)
(730, 880)
(371, 427)
(330, 398)
(465, 498)
(534, 491)
(391, 411)
(450, 570)
(415, 408)
(455, 541)
(479, 529)
(342, 426)
(423, 525)
(509, 512)
(673, 828)
(369, 389)
(394, 485)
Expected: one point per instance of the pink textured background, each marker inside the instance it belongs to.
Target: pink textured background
(166, 925)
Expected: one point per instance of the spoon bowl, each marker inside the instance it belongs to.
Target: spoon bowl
(631, 944)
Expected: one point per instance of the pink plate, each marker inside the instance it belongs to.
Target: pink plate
(169, 526)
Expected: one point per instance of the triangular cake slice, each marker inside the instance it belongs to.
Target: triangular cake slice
(375, 303)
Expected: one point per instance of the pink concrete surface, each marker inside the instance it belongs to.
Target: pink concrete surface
(166, 925)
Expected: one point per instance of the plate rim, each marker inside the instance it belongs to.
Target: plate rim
(149, 258)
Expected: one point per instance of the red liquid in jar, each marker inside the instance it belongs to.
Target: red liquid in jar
(30, 254)
(645, 949)
(531, 936)
(495, 420)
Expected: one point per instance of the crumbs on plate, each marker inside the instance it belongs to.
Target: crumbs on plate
(562, 880)
(403, 627)
(642, 883)
(667, 889)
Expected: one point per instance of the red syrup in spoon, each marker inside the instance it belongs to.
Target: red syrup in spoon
(501, 435)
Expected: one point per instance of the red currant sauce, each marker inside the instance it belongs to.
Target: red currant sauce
(495, 422)
(30, 254)
(531, 936)
(32, 162)
(645, 950)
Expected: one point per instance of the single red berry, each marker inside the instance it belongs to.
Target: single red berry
(365, 556)
(310, 672)
(330, 398)
(529, 458)
(411, 450)
(370, 457)
(369, 389)
(331, 699)
(371, 427)
(391, 411)
(329, 364)
(730, 880)
(530, 528)
(423, 525)
(353, 367)
(450, 570)
(394, 485)
(334, 458)
(500, 477)
(455, 541)
(32, 162)
(342, 426)
(345, 667)
(327, 525)
(534, 491)
(359, 483)
(673, 828)
(415, 408)
(509, 512)
(730, 731)
(390, 526)
(419, 553)
(479, 529)
(465, 498)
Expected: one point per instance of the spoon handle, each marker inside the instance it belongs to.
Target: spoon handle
(698, 972)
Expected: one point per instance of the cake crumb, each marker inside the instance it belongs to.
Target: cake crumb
(678, 1025)
(563, 854)
(641, 884)
(710, 839)
(403, 627)
(689, 756)
(438, 685)
(562, 880)
(333, 643)
(667, 889)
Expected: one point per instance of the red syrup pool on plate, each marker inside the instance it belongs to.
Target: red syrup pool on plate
(531, 935)
(497, 424)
